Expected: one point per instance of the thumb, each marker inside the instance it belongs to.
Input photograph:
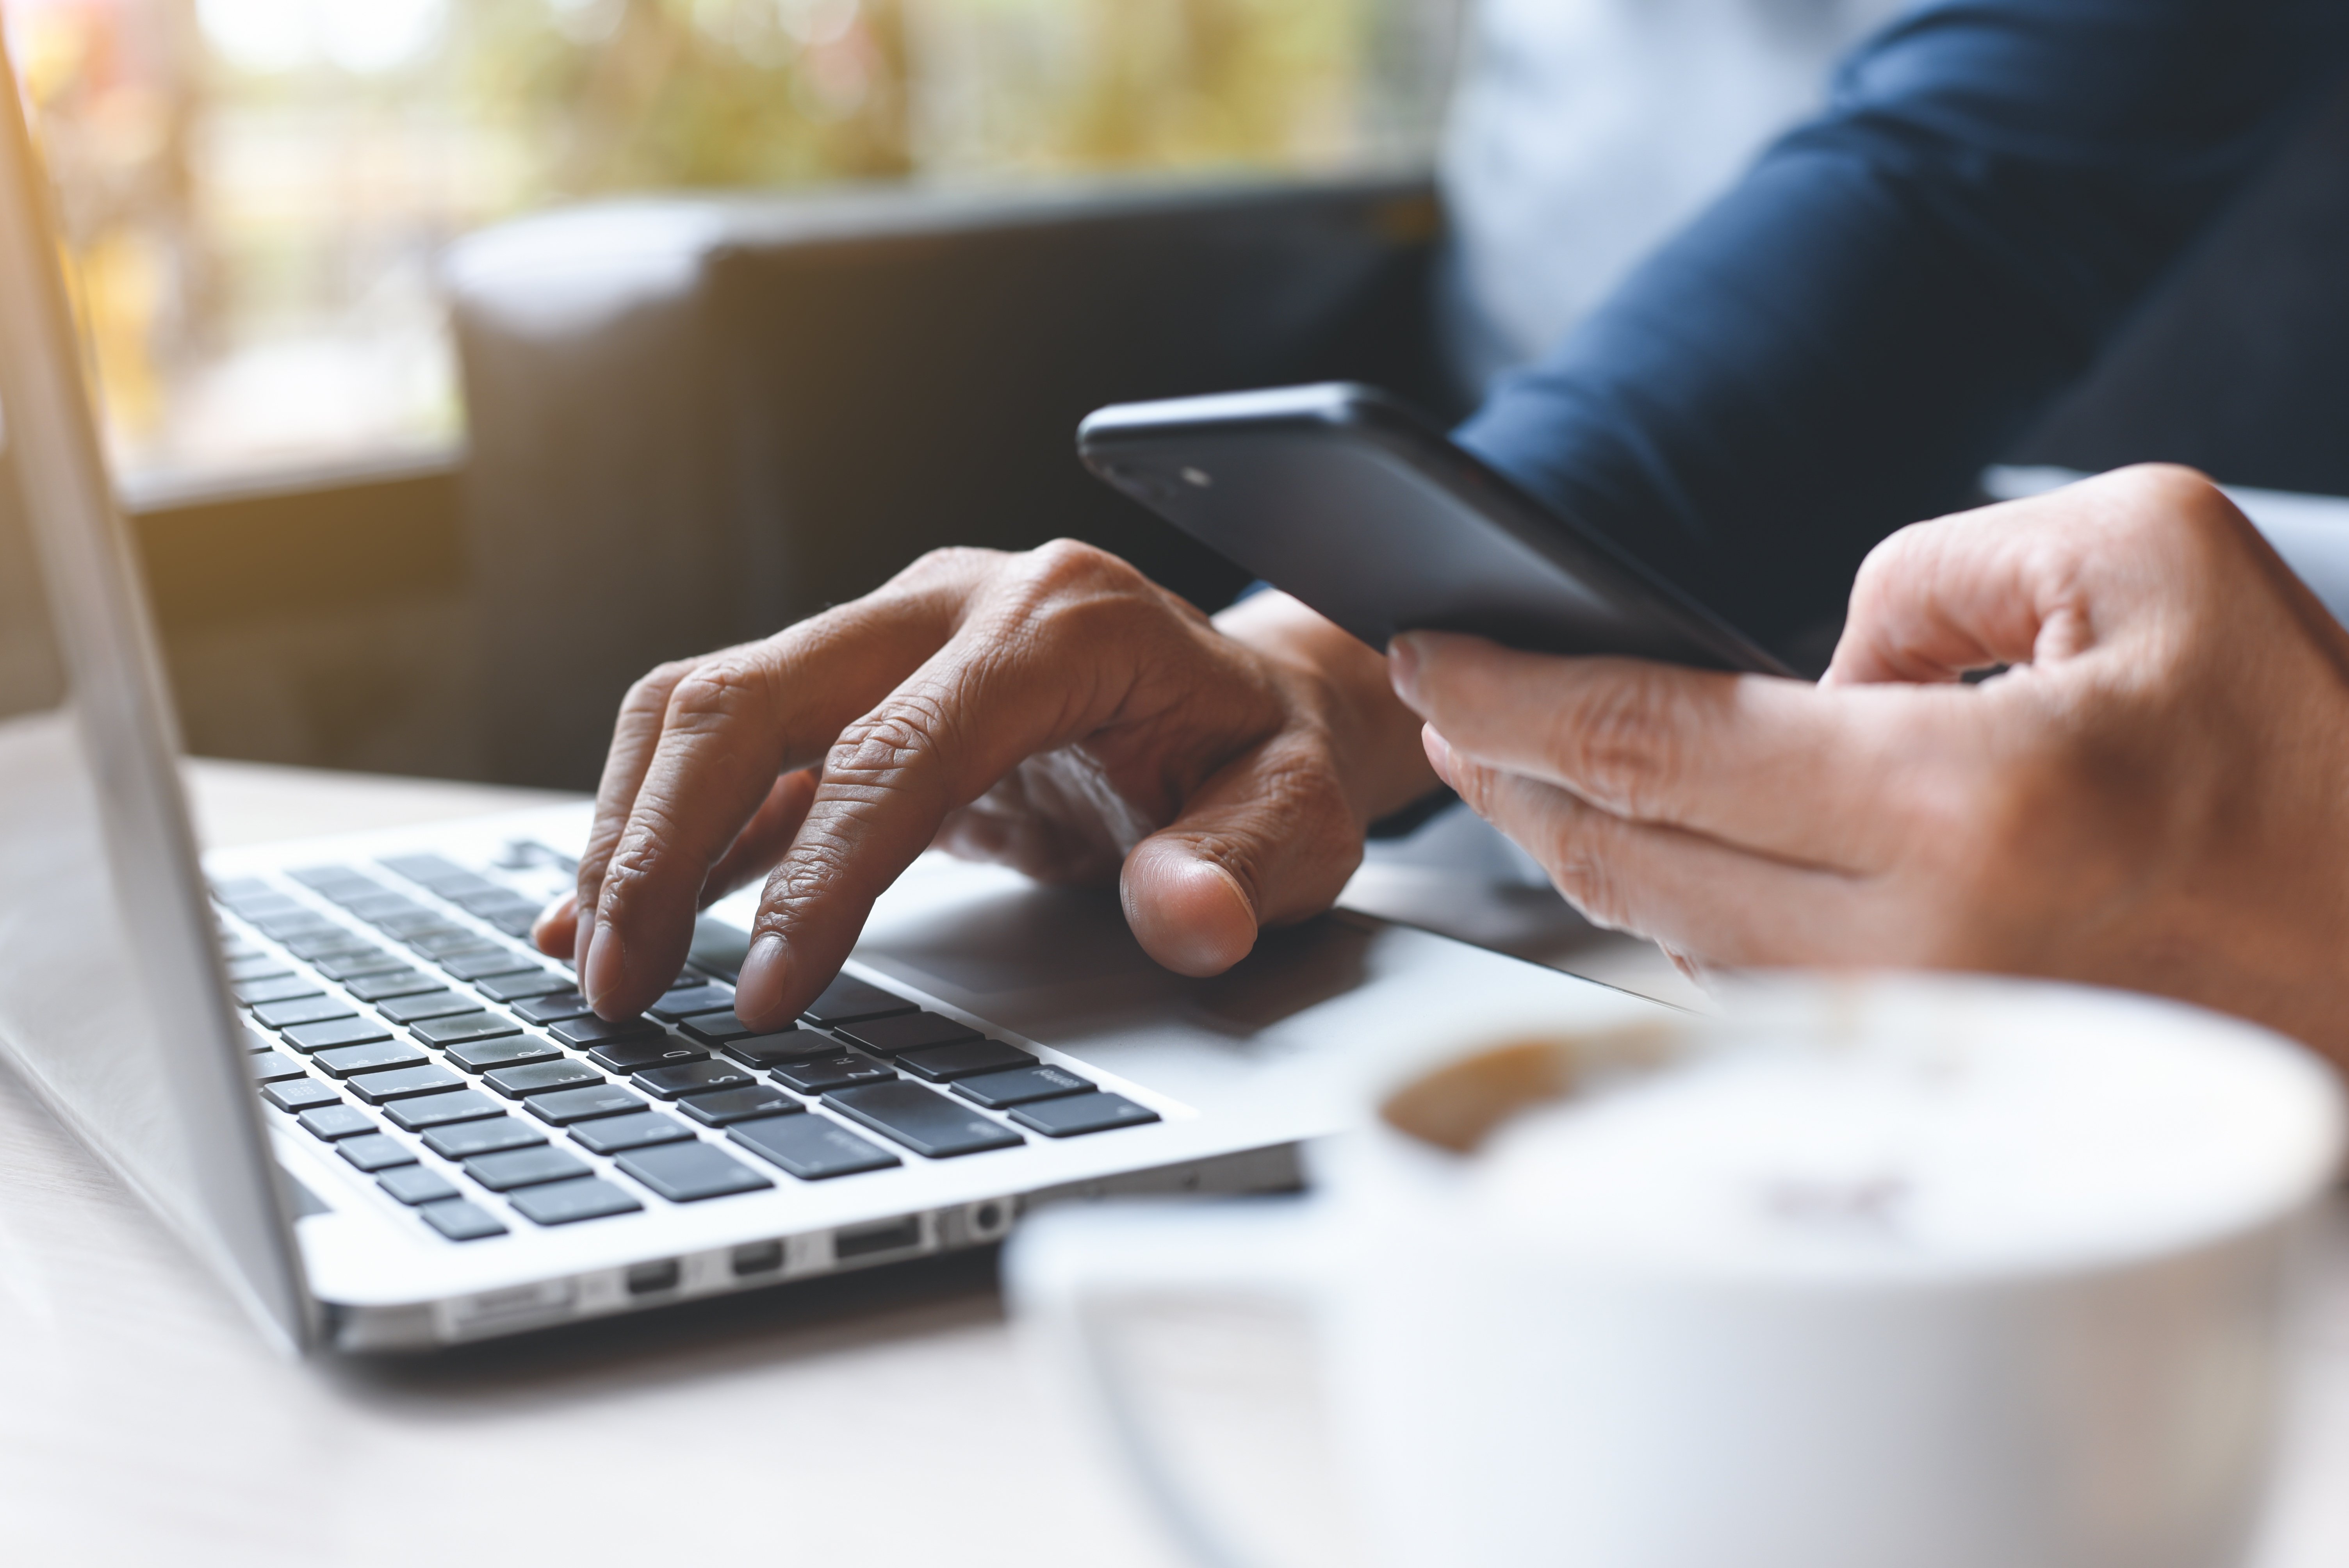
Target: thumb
(1269, 839)
(1938, 599)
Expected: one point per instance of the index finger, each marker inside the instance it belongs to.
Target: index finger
(1772, 765)
(730, 725)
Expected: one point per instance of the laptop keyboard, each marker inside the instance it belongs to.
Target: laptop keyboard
(409, 1025)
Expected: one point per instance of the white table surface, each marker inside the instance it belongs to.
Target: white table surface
(879, 1418)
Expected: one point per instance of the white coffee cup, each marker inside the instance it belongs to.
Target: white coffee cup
(1893, 1271)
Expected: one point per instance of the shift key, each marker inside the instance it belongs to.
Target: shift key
(922, 1119)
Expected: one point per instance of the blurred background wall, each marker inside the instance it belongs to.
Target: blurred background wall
(257, 196)
(255, 193)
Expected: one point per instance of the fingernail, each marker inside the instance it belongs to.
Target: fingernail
(1402, 665)
(759, 987)
(1439, 753)
(606, 970)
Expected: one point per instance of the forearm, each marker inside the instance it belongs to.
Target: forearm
(1896, 290)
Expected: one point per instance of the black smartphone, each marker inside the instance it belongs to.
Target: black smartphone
(1342, 495)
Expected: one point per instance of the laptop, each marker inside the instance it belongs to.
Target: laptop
(339, 1072)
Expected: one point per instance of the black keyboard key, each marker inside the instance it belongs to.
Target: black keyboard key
(514, 1083)
(484, 957)
(265, 903)
(810, 1148)
(297, 925)
(688, 1173)
(415, 1184)
(381, 1089)
(441, 1110)
(349, 1061)
(1000, 1091)
(464, 1027)
(523, 986)
(255, 1040)
(566, 1202)
(336, 943)
(300, 1094)
(430, 871)
(461, 1222)
(261, 967)
(692, 1077)
(506, 1051)
(729, 1105)
(354, 963)
(342, 1032)
(442, 940)
(554, 1007)
(591, 1030)
(847, 999)
(922, 1119)
(421, 924)
(376, 908)
(376, 1151)
(717, 1028)
(524, 1167)
(635, 1055)
(684, 1003)
(489, 962)
(467, 1139)
(280, 988)
(391, 984)
(764, 1051)
(333, 1121)
(565, 1106)
(323, 878)
(816, 1074)
(942, 1064)
(307, 1010)
(273, 1066)
(611, 1135)
(907, 1032)
(426, 1004)
(1082, 1113)
(228, 888)
(486, 897)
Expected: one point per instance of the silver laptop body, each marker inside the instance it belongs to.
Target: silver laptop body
(147, 1011)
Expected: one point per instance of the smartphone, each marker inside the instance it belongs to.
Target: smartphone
(1342, 495)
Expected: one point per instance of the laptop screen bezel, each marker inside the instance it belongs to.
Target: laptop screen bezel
(237, 1214)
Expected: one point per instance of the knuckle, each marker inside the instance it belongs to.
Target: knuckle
(649, 692)
(891, 744)
(715, 692)
(952, 563)
(1576, 858)
(1621, 744)
(1892, 561)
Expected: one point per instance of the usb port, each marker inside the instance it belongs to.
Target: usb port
(644, 1279)
(888, 1236)
(758, 1257)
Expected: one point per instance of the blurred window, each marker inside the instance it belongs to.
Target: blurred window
(254, 190)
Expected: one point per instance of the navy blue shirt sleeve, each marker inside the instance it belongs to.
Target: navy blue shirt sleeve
(1897, 288)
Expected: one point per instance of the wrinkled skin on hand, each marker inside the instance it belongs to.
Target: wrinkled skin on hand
(1052, 709)
(2155, 795)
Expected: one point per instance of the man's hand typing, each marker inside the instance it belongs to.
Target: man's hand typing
(1052, 709)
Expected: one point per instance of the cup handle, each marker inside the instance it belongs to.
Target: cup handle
(1069, 1269)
